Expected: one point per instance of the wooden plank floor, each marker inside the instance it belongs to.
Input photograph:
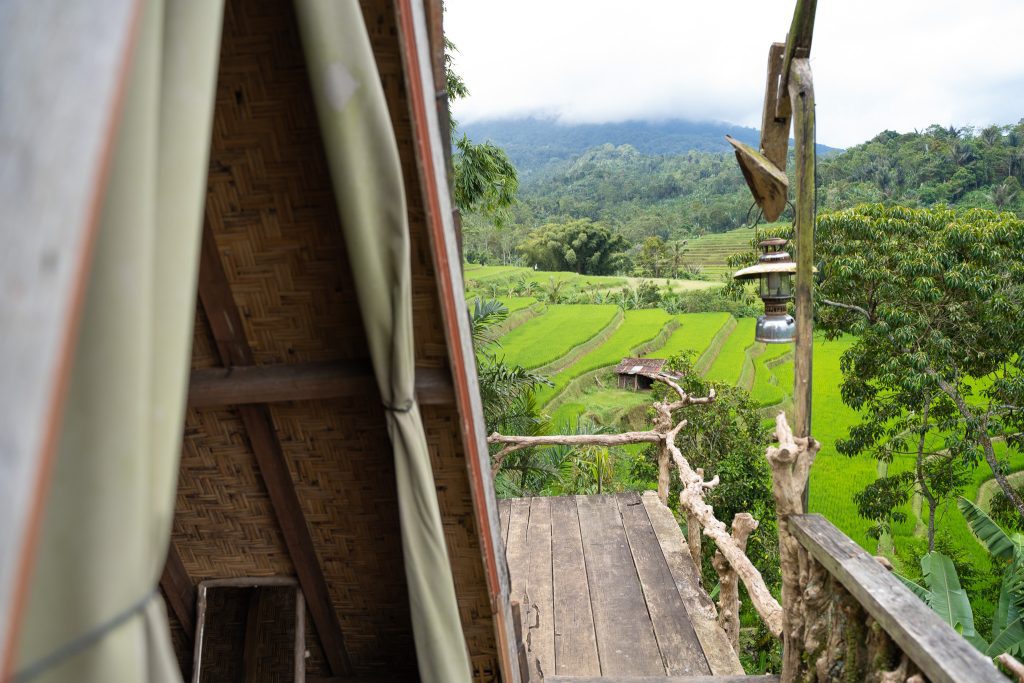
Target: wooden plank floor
(613, 588)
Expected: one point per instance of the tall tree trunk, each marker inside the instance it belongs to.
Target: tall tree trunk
(986, 441)
(932, 507)
(919, 475)
(997, 471)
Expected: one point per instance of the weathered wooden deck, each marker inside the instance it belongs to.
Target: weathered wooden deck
(614, 588)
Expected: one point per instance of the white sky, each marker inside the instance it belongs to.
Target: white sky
(894, 64)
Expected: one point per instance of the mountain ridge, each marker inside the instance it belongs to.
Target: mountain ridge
(533, 142)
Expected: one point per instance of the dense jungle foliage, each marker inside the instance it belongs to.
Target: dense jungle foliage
(675, 197)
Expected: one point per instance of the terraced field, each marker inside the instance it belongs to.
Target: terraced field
(561, 329)
(711, 251)
(517, 303)
(727, 353)
(695, 334)
(734, 354)
(637, 329)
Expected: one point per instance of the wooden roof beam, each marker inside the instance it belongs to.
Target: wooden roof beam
(248, 384)
(234, 350)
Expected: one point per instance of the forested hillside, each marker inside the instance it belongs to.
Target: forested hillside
(533, 143)
(958, 166)
(675, 197)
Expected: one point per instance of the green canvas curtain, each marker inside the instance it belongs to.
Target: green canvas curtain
(367, 180)
(109, 509)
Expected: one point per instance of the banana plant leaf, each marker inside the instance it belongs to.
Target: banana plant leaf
(948, 599)
(920, 591)
(997, 541)
(1011, 639)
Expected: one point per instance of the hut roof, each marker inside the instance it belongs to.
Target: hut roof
(634, 366)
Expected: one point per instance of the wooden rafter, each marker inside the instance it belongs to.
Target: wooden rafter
(234, 350)
(241, 385)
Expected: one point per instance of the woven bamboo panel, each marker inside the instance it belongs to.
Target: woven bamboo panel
(270, 199)
(224, 524)
(263, 616)
(224, 635)
(341, 463)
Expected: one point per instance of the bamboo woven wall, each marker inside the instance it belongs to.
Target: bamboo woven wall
(278, 235)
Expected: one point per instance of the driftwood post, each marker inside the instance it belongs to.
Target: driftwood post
(791, 465)
(801, 92)
(663, 474)
(743, 524)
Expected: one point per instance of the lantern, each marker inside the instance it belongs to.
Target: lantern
(775, 270)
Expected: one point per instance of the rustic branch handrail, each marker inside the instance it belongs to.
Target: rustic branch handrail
(936, 649)
(691, 498)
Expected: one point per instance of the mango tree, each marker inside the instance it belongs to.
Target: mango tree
(936, 300)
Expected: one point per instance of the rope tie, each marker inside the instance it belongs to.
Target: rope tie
(404, 408)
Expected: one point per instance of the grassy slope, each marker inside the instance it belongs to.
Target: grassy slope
(767, 390)
(695, 332)
(515, 303)
(604, 404)
(726, 368)
(637, 328)
(552, 335)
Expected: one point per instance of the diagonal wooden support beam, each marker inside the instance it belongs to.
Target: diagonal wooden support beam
(179, 592)
(234, 350)
(798, 46)
(775, 123)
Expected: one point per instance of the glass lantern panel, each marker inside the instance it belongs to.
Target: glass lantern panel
(785, 284)
(775, 285)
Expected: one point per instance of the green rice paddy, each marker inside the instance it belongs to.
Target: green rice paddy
(637, 328)
(558, 331)
(766, 370)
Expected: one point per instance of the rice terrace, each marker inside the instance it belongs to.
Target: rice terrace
(578, 345)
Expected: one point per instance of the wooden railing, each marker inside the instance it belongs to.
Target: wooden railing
(860, 623)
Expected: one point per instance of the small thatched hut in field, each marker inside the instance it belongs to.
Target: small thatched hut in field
(634, 372)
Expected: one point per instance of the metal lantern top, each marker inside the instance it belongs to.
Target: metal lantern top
(773, 259)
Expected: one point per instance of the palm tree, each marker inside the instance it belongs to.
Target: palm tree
(1004, 193)
(553, 290)
(508, 392)
(678, 248)
(991, 136)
